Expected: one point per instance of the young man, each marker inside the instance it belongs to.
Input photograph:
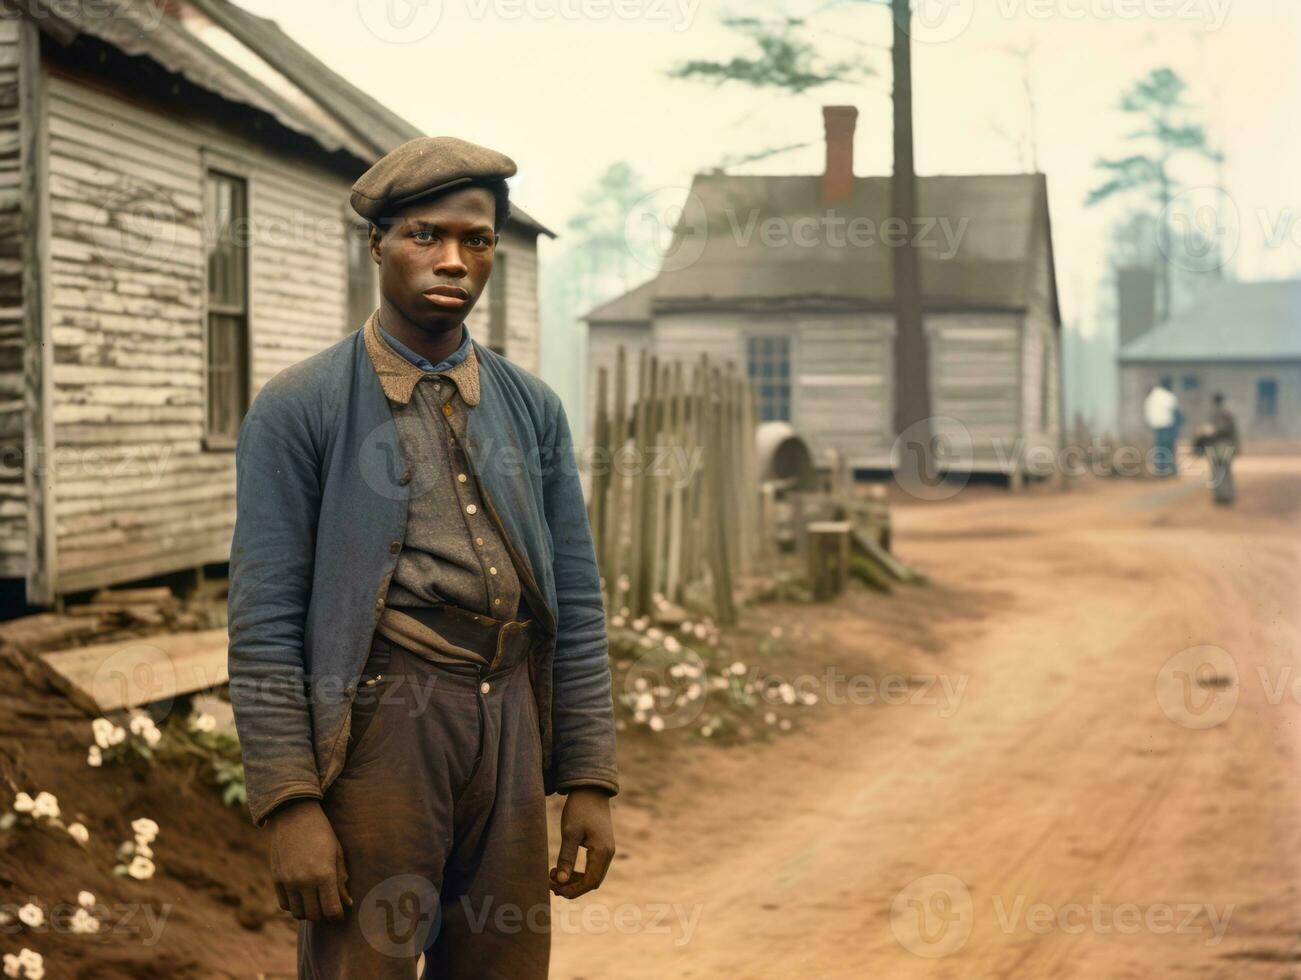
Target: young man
(417, 639)
(1221, 445)
(1161, 412)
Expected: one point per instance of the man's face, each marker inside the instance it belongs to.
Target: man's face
(435, 257)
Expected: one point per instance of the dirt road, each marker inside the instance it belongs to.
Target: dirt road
(1097, 776)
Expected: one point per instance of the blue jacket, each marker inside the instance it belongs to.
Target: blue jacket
(320, 497)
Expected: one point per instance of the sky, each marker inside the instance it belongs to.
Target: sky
(567, 87)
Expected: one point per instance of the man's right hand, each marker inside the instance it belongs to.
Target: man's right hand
(307, 862)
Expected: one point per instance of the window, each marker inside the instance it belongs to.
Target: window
(1266, 398)
(363, 282)
(226, 222)
(1168, 382)
(497, 305)
(1191, 382)
(768, 361)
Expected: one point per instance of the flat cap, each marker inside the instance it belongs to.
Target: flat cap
(421, 168)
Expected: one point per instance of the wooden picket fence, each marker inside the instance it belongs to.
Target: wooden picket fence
(674, 497)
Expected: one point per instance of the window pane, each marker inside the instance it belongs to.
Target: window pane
(227, 373)
(227, 242)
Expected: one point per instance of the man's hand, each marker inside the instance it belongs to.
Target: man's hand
(585, 821)
(307, 862)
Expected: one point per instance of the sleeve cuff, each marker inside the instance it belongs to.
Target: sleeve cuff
(287, 795)
(595, 782)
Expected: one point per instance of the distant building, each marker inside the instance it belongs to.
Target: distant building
(1239, 338)
(786, 288)
(174, 230)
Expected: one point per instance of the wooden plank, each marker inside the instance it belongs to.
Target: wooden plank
(115, 676)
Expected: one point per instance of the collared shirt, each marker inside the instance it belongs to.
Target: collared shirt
(450, 361)
(451, 550)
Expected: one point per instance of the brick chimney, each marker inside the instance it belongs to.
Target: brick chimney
(838, 178)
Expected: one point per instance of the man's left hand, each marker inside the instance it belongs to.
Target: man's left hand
(584, 822)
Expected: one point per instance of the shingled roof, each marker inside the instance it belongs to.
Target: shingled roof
(995, 225)
(339, 116)
(1230, 321)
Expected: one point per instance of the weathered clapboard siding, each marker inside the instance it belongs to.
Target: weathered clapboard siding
(975, 363)
(137, 491)
(842, 394)
(1040, 369)
(13, 493)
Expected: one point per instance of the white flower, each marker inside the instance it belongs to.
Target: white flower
(686, 626)
(808, 697)
(656, 723)
(671, 644)
(145, 828)
(7, 820)
(701, 631)
(639, 717)
(643, 702)
(78, 832)
(677, 670)
(95, 757)
(655, 633)
(647, 642)
(83, 922)
(140, 868)
(737, 668)
(142, 849)
(625, 584)
(31, 915)
(640, 623)
(33, 962)
(640, 684)
(153, 736)
(45, 805)
(85, 899)
(204, 722)
(786, 693)
(12, 966)
(107, 734)
(140, 723)
(693, 692)
(785, 725)
(706, 730)
(103, 731)
(770, 718)
(776, 632)
(24, 803)
(618, 622)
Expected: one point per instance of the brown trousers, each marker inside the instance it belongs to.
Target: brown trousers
(440, 811)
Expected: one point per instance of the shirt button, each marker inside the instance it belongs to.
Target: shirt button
(492, 570)
(471, 509)
(485, 687)
(395, 547)
(496, 602)
(447, 409)
(379, 603)
(405, 478)
(461, 477)
(478, 541)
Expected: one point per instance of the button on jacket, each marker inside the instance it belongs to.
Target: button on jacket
(439, 559)
(322, 491)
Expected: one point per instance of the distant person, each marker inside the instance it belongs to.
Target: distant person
(1161, 412)
(1218, 440)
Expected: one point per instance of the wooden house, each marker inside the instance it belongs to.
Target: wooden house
(1242, 339)
(789, 277)
(174, 230)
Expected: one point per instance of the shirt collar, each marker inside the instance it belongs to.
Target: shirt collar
(399, 374)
